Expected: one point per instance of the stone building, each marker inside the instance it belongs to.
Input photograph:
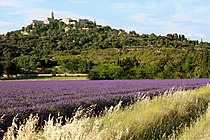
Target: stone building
(38, 22)
(47, 21)
(73, 22)
(66, 20)
(50, 19)
(83, 21)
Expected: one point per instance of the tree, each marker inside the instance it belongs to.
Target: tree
(105, 72)
(26, 63)
(75, 65)
(1, 69)
(99, 72)
(11, 69)
(169, 36)
(152, 37)
(175, 36)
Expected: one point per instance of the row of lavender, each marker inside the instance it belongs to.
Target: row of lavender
(29, 96)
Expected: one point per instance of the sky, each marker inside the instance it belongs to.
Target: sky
(188, 17)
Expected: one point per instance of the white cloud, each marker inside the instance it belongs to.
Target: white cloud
(202, 9)
(2, 32)
(66, 14)
(4, 23)
(125, 7)
(29, 15)
(181, 13)
(200, 35)
(185, 24)
(102, 22)
(185, 18)
(6, 3)
(24, 4)
(197, 36)
(78, 1)
(143, 18)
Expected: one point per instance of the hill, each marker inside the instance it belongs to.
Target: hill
(102, 52)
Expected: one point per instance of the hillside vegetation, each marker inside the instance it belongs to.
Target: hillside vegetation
(102, 52)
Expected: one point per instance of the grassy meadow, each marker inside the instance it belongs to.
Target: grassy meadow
(171, 116)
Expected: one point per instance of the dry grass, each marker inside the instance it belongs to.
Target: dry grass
(199, 130)
(159, 118)
(1, 121)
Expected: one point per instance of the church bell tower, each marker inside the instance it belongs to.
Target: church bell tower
(52, 15)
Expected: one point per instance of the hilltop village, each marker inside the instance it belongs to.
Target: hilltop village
(67, 21)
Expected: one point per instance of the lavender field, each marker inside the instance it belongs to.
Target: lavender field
(39, 96)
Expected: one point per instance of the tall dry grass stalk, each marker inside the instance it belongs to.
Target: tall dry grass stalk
(1, 121)
(200, 130)
(158, 118)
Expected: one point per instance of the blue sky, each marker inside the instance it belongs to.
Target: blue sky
(188, 17)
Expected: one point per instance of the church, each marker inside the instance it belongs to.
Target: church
(47, 21)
